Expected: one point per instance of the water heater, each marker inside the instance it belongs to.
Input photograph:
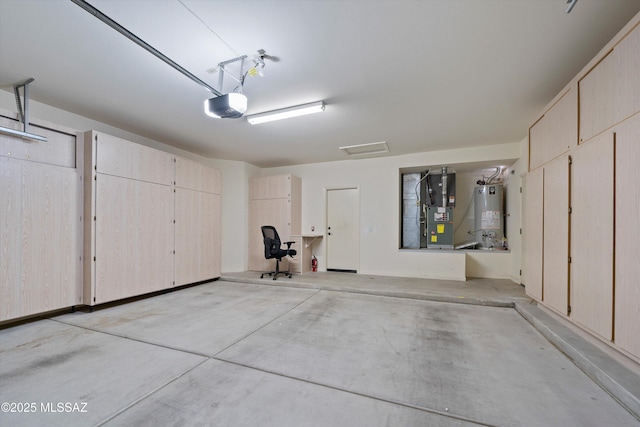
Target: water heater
(488, 218)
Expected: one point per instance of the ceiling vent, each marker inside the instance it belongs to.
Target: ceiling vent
(366, 149)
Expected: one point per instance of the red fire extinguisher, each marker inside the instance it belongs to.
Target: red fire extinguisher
(314, 263)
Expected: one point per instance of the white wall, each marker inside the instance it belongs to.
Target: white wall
(235, 212)
(378, 181)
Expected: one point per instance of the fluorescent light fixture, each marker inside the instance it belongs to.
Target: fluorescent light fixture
(285, 113)
(229, 106)
(365, 149)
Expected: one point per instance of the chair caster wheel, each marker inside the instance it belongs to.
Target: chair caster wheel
(262, 276)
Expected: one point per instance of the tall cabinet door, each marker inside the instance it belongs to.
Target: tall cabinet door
(627, 268)
(50, 230)
(134, 238)
(556, 234)
(197, 236)
(592, 228)
(533, 233)
(10, 238)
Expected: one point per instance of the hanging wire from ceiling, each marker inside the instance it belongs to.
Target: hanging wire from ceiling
(208, 27)
(146, 46)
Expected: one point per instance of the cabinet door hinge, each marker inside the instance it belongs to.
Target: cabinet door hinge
(94, 258)
(521, 189)
(568, 309)
(521, 231)
(521, 272)
(569, 260)
(570, 160)
(570, 210)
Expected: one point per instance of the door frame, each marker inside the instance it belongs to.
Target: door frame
(326, 221)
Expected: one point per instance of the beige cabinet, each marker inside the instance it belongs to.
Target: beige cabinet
(532, 250)
(627, 245)
(556, 235)
(40, 224)
(555, 132)
(603, 292)
(129, 204)
(198, 222)
(154, 220)
(134, 238)
(592, 232)
(273, 200)
(610, 92)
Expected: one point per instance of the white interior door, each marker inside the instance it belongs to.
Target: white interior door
(343, 237)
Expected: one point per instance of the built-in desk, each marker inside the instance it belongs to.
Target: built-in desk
(306, 246)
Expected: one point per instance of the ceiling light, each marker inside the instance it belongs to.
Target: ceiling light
(229, 106)
(365, 149)
(285, 113)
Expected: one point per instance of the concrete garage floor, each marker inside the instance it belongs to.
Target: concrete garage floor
(322, 349)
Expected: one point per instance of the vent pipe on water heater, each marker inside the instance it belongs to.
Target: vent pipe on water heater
(444, 186)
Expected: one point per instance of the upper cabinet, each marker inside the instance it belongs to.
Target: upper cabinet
(118, 157)
(197, 177)
(610, 91)
(555, 132)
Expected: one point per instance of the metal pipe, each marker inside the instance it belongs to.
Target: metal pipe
(23, 114)
(444, 186)
(137, 40)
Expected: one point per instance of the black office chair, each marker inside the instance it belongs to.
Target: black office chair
(272, 249)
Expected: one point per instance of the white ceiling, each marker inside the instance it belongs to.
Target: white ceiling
(420, 75)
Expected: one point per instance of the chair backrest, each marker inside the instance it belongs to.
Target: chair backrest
(271, 240)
